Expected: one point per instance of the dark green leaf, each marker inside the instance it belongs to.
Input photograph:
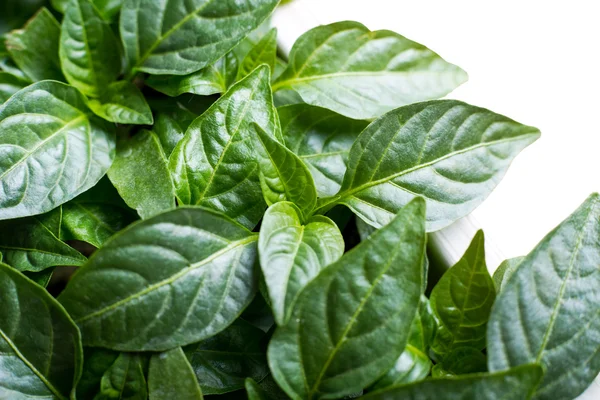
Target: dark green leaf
(180, 37)
(322, 139)
(42, 278)
(168, 281)
(259, 314)
(35, 47)
(547, 310)
(505, 270)
(89, 51)
(9, 85)
(222, 362)
(40, 345)
(449, 152)
(170, 128)
(53, 149)
(264, 52)
(170, 376)
(293, 253)
(124, 379)
(123, 103)
(96, 362)
(365, 300)
(108, 9)
(141, 175)
(461, 361)
(363, 74)
(515, 384)
(254, 391)
(14, 13)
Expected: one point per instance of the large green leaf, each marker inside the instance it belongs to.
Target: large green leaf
(170, 376)
(168, 281)
(141, 175)
(515, 384)
(222, 362)
(214, 164)
(108, 9)
(96, 362)
(35, 47)
(53, 148)
(463, 299)
(293, 253)
(89, 51)
(366, 300)
(548, 311)
(123, 103)
(363, 74)
(505, 270)
(451, 153)
(180, 37)
(40, 346)
(322, 139)
(264, 52)
(9, 85)
(124, 379)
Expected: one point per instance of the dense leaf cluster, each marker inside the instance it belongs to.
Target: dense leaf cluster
(259, 227)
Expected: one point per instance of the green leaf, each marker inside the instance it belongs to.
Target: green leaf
(96, 362)
(170, 376)
(451, 153)
(222, 362)
(254, 391)
(53, 149)
(293, 253)
(42, 278)
(364, 300)
(14, 13)
(283, 176)
(547, 310)
(28, 245)
(362, 74)
(108, 9)
(122, 103)
(168, 281)
(9, 85)
(170, 130)
(180, 37)
(141, 175)
(505, 270)
(89, 51)
(462, 301)
(124, 379)
(461, 361)
(322, 139)
(514, 384)
(40, 344)
(35, 47)
(214, 164)
(264, 52)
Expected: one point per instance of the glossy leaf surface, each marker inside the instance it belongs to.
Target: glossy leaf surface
(124, 379)
(172, 280)
(367, 298)
(264, 52)
(170, 376)
(107, 8)
(123, 103)
(96, 362)
(547, 311)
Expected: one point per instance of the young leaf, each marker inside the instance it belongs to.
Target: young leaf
(365, 300)
(514, 384)
(89, 51)
(322, 139)
(96, 362)
(172, 280)
(9, 85)
(108, 9)
(547, 311)
(362, 74)
(451, 153)
(123, 103)
(53, 149)
(170, 376)
(141, 175)
(214, 164)
(40, 344)
(35, 47)
(180, 37)
(264, 52)
(222, 362)
(505, 270)
(461, 361)
(124, 379)
(293, 253)
(463, 299)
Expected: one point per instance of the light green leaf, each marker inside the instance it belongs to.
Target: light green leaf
(505, 270)
(53, 148)
(40, 346)
(180, 37)
(89, 51)
(214, 164)
(108, 9)
(124, 379)
(170, 376)
(293, 253)
(222, 362)
(365, 300)
(322, 139)
(451, 153)
(462, 301)
(172, 280)
(141, 175)
(34, 48)
(548, 311)
(9, 85)
(515, 384)
(362, 74)
(96, 362)
(264, 52)
(122, 103)
(461, 361)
